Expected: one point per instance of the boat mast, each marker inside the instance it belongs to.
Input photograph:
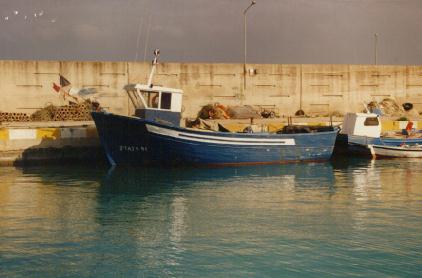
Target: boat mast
(154, 65)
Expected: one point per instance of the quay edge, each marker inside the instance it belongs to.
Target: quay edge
(24, 144)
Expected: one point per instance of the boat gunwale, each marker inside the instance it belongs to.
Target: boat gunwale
(398, 148)
(223, 134)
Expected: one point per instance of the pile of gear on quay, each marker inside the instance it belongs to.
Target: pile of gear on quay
(72, 112)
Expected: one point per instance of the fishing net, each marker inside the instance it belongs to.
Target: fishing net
(71, 112)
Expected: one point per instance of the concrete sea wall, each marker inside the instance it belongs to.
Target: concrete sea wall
(317, 89)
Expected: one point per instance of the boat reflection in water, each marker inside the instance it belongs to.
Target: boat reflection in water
(140, 179)
(172, 206)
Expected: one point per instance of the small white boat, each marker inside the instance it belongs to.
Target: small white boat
(396, 151)
(359, 130)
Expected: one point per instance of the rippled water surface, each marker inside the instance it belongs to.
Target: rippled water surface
(355, 218)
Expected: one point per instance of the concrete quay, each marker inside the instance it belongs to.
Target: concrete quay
(49, 142)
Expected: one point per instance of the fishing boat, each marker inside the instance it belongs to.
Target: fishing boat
(410, 151)
(154, 136)
(359, 130)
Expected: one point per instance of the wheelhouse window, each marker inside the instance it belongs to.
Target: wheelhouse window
(165, 101)
(371, 121)
(151, 98)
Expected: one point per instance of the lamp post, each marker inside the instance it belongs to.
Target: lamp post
(376, 48)
(253, 2)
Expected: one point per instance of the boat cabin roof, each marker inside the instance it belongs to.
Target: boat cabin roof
(146, 88)
(364, 115)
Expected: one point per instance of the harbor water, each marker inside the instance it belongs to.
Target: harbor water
(340, 218)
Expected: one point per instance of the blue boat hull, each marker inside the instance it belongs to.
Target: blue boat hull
(131, 140)
(359, 144)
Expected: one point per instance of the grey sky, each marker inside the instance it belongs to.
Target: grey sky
(279, 31)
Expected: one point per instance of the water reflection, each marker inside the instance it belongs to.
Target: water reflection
(237, 221)
(172, 205)
(143, 180)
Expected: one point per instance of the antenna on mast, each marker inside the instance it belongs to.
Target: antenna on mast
(154, 65)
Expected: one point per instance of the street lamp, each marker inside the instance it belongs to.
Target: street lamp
(376, 48)
(253, 2)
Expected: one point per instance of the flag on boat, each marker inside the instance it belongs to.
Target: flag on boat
(63, 81)
(56, 87)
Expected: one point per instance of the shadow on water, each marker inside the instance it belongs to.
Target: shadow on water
(154, 180)
(342, 162)
(151, 180)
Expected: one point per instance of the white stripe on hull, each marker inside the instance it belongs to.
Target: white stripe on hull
(220, 140)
